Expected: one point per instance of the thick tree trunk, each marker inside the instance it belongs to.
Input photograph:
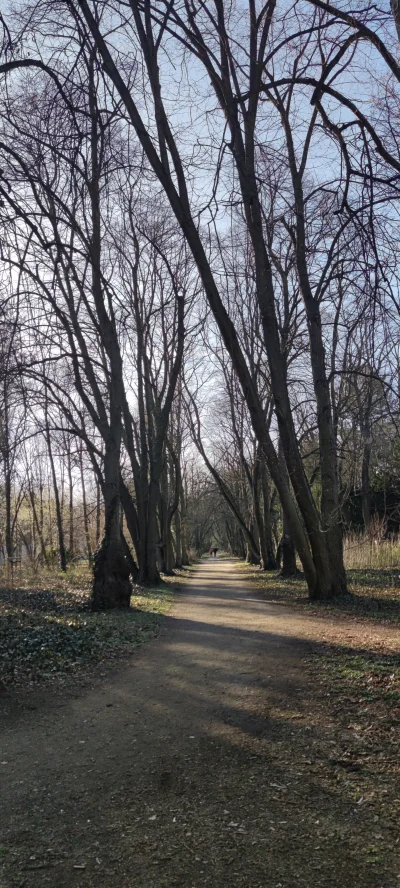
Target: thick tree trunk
(330, 526)
(111, 570)
(98, 513)
(287, 551)
(111, 584)
(251, 558)
(330, 510)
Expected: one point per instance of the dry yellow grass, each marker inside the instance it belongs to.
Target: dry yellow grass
(362, 552)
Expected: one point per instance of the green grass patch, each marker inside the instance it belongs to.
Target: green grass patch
(366, 682)
(45, 632)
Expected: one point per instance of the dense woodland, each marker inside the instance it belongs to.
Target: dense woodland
(199, 286)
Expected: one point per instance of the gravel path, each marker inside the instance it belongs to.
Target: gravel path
(192, 766)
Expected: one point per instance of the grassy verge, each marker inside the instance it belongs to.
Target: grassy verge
(368, 670)
(360, 688)
(353, 661)
(47, 630)
(373, 594)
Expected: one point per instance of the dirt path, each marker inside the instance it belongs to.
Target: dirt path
(193, 766)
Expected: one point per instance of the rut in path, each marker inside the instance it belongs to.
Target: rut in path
(191, 766)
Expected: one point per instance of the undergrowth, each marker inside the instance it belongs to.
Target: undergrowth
(373, 594)
(48, 631)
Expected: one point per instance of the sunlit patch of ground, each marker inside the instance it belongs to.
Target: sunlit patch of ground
(354, 661)
(47, 630)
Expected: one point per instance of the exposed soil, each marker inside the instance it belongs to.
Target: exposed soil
(214, 757)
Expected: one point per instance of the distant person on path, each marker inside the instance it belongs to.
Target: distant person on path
(215, 550)
(211, 551)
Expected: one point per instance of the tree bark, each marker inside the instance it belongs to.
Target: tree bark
(365, 480)
(111, 583)
(287, 552)
(263, 516)
(183, 498)
(111, 570)
(98, 513)
(70, 503)
(60, 529)
(38, 525)
(85, 511)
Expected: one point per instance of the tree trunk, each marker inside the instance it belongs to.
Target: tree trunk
(111, 584)
(60, 529)
(132, 522)
(149, 570)
(85, 511)
(70, 503)
(5, 443)
(111, 570)
(178, 540)
(39, 528)
(365, 479)
(183, 499)
(98, 513)
(268, 559)
(169, 552)
(9, 542)
(287, 551)
(50, 517)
